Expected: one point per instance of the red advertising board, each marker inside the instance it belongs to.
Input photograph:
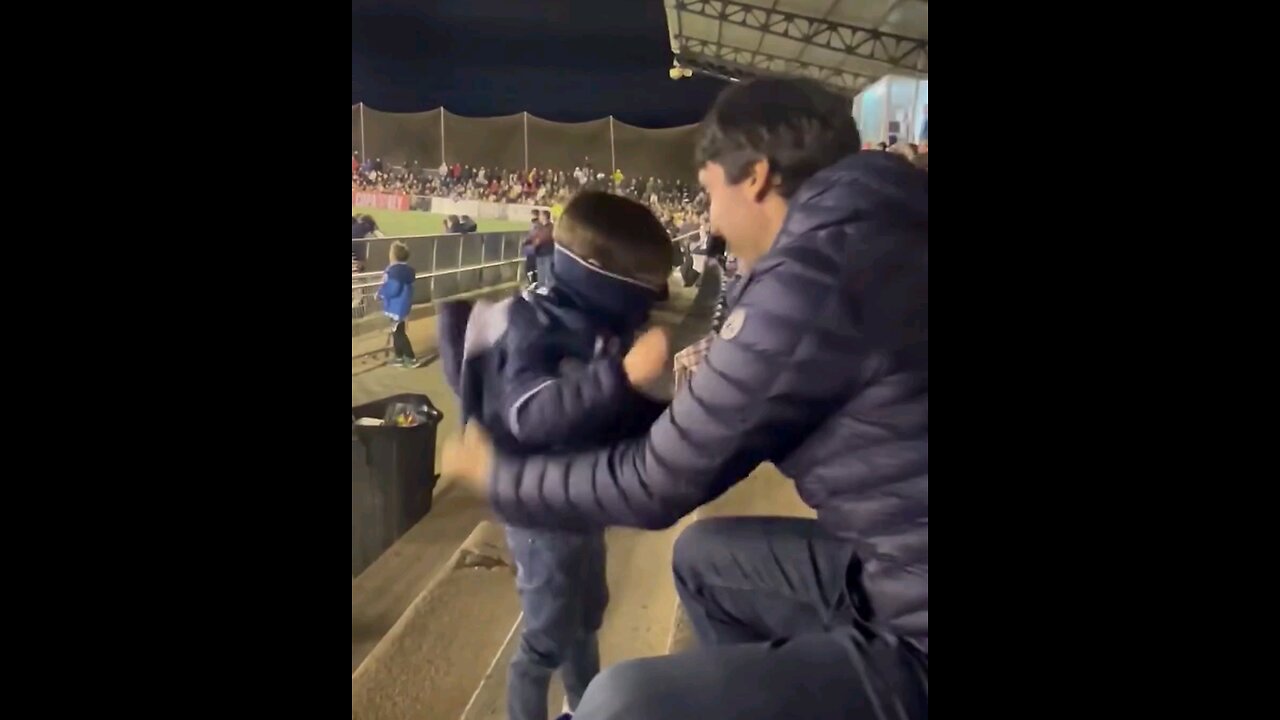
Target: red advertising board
(379, 201)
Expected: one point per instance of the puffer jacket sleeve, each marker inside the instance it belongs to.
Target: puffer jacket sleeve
(546, 408)
(451, 324)
(775, 372)
(548, 402)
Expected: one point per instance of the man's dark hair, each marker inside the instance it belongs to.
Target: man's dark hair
(546, 214)
(616, 234)
(797, 125)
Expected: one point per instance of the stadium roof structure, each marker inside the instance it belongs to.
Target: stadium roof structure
(845, 44)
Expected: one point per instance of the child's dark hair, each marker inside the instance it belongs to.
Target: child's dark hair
(618, 235)
(399, 251)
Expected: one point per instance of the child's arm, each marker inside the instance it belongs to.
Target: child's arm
(451, 326)
(546, 408)
(391, 288)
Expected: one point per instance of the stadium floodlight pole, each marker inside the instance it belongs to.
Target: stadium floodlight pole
(441, 136)
(915, 102)
(613, 157)
(363, 155)
(526, 140)
(910, 133)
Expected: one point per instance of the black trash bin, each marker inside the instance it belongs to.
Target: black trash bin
(393, 472)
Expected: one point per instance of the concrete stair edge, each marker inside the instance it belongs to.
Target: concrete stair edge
(486, 542)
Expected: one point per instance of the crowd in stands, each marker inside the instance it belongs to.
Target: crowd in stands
(681, 209)
(673, 201)
(917, 154)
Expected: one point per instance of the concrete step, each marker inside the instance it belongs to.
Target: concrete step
(637, 623)
(382, 593)
(447, 656)
(387, 587)
(429, 664)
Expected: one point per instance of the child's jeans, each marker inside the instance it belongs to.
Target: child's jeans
(544, 271)
(563, 593)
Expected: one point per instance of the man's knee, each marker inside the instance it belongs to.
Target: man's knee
(701, 544)
(693, 544)
(627, 691)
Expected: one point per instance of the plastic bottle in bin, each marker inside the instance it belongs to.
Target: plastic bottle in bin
(408, 414)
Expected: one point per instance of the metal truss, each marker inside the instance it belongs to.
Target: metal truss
(733, 63)
(898, 51)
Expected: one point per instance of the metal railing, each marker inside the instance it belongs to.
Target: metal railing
(445, 266)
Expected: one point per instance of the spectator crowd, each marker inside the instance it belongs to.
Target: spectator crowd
(681, 209)
(673, 201)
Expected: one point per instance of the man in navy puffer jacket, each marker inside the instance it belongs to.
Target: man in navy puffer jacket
(822, 367)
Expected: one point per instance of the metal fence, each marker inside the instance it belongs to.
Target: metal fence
(438, 137)
(445, 265)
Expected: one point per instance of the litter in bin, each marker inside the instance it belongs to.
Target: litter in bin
(403, 414)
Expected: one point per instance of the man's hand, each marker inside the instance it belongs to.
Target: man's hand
(468, 459)
(648, 358)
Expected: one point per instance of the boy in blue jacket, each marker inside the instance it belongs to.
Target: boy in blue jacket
(396, 295)
(538, 372)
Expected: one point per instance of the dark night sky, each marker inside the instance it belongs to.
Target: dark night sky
(567, 60)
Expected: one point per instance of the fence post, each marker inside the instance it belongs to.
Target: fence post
(613, 158)
(435, 246)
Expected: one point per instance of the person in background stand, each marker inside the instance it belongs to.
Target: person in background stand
(527, 249)
(544, 249)
(396, 294)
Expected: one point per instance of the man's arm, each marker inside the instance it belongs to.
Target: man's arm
(765, 384)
